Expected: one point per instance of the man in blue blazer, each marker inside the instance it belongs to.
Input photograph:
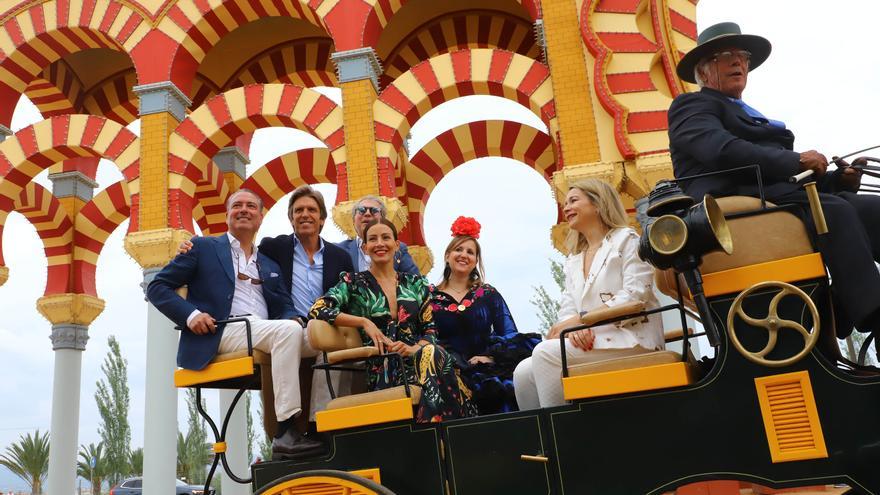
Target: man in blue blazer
(227, 277)
(365, 211)
(714, 130)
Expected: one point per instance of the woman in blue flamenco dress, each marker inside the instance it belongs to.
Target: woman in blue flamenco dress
(474, 324)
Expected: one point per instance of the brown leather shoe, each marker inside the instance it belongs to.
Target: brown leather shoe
(294, 444)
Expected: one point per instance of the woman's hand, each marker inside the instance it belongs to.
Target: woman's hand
(481, 360)
(403, 349)
(582, 339)
(556, 329)
(184, 247)
(379, 339)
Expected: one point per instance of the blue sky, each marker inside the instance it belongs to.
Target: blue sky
(821, 80)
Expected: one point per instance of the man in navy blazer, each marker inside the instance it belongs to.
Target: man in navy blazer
(226, 277)
(714, 130)
(365, 211)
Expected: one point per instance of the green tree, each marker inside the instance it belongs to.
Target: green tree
(29, 459)
(548, 307)
(136, 461)
(97, 473)
(266, 443)
(193, 450)
(250, 426)
(113, 403)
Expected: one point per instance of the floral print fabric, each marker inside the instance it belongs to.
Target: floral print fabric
(444, 395)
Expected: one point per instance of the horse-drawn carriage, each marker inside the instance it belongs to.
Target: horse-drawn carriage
(776, 405)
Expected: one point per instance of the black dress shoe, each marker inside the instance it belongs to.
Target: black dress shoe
(294, 444)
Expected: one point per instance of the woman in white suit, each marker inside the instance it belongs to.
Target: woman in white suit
(602, 271)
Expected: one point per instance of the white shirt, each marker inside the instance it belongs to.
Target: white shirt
(363, 260)
(248, 297)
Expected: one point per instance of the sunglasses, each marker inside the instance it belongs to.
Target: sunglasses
(375, 210)
(245, 276)
(730, 55)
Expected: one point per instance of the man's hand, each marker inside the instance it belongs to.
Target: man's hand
(184, 247)
(556, 329)
(202, 324)
(815, 161)
(582, 339)
(849, 178)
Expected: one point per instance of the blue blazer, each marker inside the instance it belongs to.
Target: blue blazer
(208, 272)
(403, 262)
(280, 249)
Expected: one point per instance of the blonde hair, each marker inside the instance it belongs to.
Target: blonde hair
(608, 204)
(477, 274)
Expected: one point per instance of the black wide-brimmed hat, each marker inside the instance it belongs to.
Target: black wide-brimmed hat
(718, 36)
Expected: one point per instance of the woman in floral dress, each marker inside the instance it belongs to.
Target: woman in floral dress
(474, 323)
(394, 314)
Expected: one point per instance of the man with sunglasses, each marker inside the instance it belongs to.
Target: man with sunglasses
(715, 130)
(227, 276)
(365, 211)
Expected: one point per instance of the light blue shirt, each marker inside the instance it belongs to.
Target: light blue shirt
(363, 260)
(308, 278)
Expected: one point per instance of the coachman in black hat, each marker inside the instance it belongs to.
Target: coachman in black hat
(714, 129)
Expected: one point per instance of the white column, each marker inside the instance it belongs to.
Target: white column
(68, 342)
(160, 409)
(236, 443)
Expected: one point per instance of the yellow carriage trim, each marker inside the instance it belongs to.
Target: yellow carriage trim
(219, 447)
(785, 270)
(320, 485)
(366, 414)
(371, 474)
(632, 374)
(215, 372)
(791, 420)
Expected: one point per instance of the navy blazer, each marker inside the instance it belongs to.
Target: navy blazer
(280, 249)
(208, 272)
(709, 133)
(403, 262)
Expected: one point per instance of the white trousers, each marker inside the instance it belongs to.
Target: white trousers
(286, 341)
(537, 380)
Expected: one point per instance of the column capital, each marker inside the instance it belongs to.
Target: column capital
(357, 64)
(69, 336)
(422, 256)
(232, 159)
(74, 183)
(162, 97)
(155, 248)
(4, 274)
(558, 237)
(610, 172)
(70, 309)
(395, 211)
(5, 132)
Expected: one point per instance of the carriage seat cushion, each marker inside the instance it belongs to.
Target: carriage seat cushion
(625, 363)
(376, 397)
(260, 357)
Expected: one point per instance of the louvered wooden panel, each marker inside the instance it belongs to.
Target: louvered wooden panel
(791, 419)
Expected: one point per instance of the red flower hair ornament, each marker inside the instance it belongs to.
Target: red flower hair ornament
(467, 226)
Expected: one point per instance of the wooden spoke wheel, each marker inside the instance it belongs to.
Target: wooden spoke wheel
(773, 323)
(324, 482)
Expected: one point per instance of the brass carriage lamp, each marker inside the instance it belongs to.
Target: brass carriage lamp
(677, 233)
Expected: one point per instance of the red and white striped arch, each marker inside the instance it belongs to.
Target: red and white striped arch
(493, 138)
(94, 224)
(287, 172)
(448, 76)
(53, 225)
(359, 24)
(461, 31)
(39, 34)
(240, 111)
(197, 26)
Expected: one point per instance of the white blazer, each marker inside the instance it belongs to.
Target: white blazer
(616, 276)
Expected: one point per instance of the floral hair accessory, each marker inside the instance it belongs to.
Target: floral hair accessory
(466, 226)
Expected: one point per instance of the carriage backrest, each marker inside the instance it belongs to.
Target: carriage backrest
(329, 338)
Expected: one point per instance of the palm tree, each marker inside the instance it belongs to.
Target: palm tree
(97, 473)
(136, 459)
(29, 459)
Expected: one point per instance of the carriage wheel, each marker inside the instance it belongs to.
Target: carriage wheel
(773, 323)
(325, 482)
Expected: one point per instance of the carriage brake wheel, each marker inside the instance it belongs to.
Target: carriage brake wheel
(324, 481)
(773, 324)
